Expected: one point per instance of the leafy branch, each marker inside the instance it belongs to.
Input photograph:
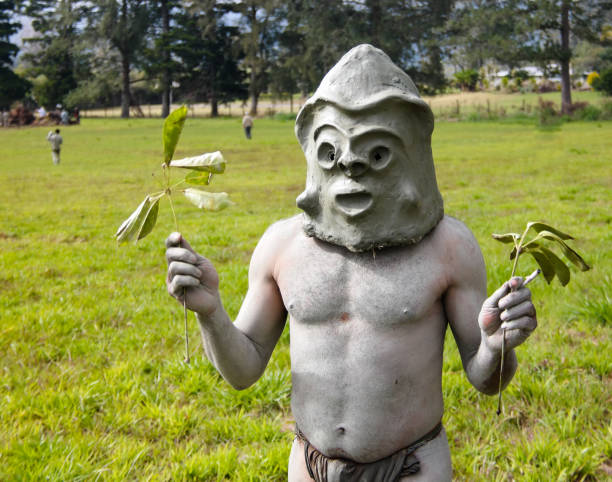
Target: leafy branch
(201, 169)
(550, 264)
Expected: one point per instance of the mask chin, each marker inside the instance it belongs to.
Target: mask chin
(399, 220)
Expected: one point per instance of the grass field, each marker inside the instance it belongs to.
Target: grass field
(92, 382)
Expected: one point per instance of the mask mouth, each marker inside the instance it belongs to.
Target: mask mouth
(352, 200)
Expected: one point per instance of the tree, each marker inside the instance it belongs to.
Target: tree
(481, 31)
(259, 30)
(209, 54)
(158, 56)
(12, 87)
(303, 50)
(409, 32)
(56, 58)
(125, 24)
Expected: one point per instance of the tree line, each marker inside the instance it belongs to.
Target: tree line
(109, 52)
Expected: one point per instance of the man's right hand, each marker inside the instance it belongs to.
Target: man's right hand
(191, 276)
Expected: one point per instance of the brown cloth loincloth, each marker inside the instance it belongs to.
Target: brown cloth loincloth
(390, 469)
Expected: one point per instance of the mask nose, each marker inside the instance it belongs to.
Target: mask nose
(352, 165)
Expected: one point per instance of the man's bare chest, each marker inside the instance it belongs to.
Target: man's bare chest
(320, 283)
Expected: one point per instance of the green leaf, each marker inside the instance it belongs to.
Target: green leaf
(572, 255)
(209, 201)
(173, 126)
(506, 238)
(212, 162)
(548, 270)
(198, 178)
(141, 221)
(562, 271)
(546, 227)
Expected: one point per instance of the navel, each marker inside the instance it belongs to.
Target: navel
(344, 316)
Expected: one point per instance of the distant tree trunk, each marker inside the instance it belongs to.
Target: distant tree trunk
(125, 91)
(254, 93)
(166, 54)
(214, 104)
(566, 83)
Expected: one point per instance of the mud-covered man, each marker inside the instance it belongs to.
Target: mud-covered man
(371, 275)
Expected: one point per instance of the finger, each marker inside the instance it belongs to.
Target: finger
(515, 337)
(186, 245)
(178, 268)
(493, 300)
(525, 323)
(181, 254)
(525, 308)
(514, 298)
(174, 240)
(179, 283)
(515, 283)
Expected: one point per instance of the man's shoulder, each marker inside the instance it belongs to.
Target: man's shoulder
(452, 227)
(453, 238)
(274, 243)
(457, 247)
(284, 230)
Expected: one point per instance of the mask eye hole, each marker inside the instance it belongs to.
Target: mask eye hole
(379, 157)
(327, 155)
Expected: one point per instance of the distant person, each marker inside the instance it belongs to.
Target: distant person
(247, 123)
(5, 118)
(64, 117)
(76, 115)
(55, 140)
(42, 112)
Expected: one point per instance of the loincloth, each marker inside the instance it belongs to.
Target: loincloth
(390, 469)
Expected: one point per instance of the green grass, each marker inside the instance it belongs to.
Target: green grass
(92, 380)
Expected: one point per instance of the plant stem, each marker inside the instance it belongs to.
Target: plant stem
(503, 347)
(501, 369)
(187, 359)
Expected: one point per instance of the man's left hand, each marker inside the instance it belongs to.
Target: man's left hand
(510, 309)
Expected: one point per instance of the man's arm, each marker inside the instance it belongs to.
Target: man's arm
(240, 351)
(477, 323)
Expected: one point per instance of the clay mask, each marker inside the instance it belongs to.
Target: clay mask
(370, 176)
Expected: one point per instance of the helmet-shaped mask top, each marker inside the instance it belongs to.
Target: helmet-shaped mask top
(368, 207)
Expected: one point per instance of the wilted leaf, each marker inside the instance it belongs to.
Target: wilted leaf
(572, 255)
(562, 271)
(506, 238)
(141, 221)
(210, 162)
(209, 201)
(198, 178)
(545, 265)
(546, 227)
(173, 126)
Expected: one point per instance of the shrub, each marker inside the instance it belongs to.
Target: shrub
(547, 114)
(604, 84)
(467, 79)
(592, 79)
(606, 110)
(584, 111)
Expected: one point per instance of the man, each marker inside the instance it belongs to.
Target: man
(55, 140)
(371, 275)
(247, 124)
